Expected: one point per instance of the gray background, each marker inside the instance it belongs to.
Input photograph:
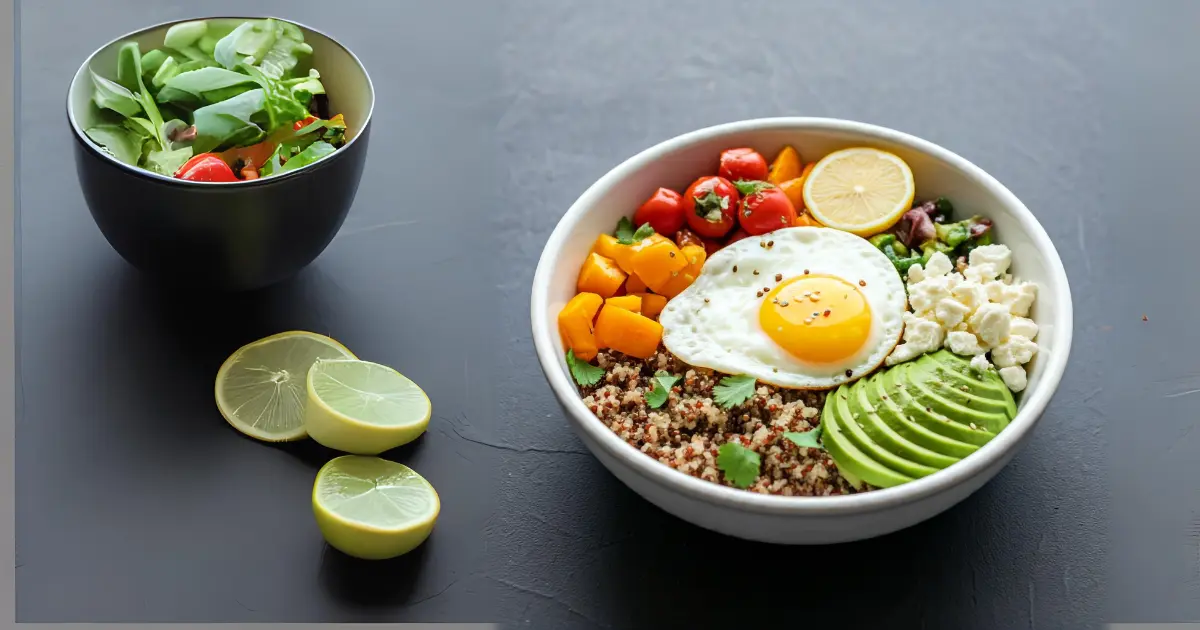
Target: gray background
(136, 502)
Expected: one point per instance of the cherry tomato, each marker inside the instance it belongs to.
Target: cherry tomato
(206, 167)
(737, 236)
(300, 124)
(711, 246)
(743, 163)
(710, 205)
(764, 208)
(663, 211)
(687, 237)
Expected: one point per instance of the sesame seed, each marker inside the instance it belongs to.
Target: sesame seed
(862, 283)
(735, 269)
(827, 312)
(808, 320)
(671, 254)
(973, 426)
(758, 293)
(770, 243)
(778, 277)
(756, 272)
(814, 298)
(674, 273)
(706, 300)
(784, 303)
(849, 373)
(806, 272)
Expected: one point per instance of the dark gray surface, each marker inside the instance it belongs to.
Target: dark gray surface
(136, 502)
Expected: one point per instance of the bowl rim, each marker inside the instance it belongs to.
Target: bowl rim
(86, 142)
(998, 449)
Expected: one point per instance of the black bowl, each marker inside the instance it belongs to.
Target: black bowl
(225, 236)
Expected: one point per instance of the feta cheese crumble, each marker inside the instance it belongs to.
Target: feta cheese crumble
(977, 311)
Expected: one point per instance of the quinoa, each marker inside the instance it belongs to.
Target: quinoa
(686, 432)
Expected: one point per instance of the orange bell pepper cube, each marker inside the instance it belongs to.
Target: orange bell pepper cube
(600, 275)
(628, 332)
(575, 325)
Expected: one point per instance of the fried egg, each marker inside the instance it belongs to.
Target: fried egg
(800, 308)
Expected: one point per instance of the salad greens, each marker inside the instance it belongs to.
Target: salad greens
(217, 86)
(926, 230)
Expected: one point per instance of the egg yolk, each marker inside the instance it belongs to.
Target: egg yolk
(816, 318)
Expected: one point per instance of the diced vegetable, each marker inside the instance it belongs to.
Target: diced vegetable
(627, 302)
(600, 275)
(787, 166)
(677, 284)
(206, 167)
(805, 219)
(608, 246)
(628, 332)
(657, 263)
(695, 256)
(575, 325)
(634, 284)
(652, 304)
(794, 189)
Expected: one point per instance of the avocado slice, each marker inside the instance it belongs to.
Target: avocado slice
(923, 394)
(851, 460)
(974, 393)
(958, 371)
(890, 382)
(854, 427)
(891, 414)
(913, 419)
(862, 405)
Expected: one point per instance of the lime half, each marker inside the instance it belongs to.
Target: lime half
(362, 407)
(261, 388)
(372, 508)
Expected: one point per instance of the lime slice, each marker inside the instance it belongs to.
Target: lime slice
(362, 407)
(261, 388)
(372, 508)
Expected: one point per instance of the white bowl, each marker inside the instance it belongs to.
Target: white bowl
(801, 520)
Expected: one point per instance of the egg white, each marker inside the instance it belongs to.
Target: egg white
(714, 323)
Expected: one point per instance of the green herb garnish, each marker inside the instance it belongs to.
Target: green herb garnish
(739, 464)
(663, 382)
(584, 373)
(626, 235)
(749, 187)
(807, 439)
(734, 390)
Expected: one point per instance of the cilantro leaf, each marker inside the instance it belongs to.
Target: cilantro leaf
(663, 382)
(734, 390)
(749, 187)
(585, 373)
(624, 232)
(739, 464)
(627, 236)
(807, 439)
(644, 232)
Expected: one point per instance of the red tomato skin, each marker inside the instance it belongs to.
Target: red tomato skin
(743, 163)
(697, 204)
(766, 211)
(663, 211)
(737, 236)
(300, 124)
(206, 167)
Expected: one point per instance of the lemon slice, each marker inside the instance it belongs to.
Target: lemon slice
(362, 407)
(261, 388)
(372, 508)
(862, 190)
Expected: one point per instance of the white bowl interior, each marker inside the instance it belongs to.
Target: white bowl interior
(343, 76)
(937, 172)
